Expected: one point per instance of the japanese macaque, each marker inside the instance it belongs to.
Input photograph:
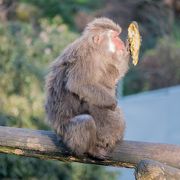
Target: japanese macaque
(81, 105)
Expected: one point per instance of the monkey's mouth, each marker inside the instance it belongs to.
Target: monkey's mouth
(122, 44)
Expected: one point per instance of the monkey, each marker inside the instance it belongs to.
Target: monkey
(81, 105)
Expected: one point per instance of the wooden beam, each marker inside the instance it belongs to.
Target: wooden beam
(44, 145)
(149, 169)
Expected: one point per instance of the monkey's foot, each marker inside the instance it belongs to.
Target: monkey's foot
(98, 153)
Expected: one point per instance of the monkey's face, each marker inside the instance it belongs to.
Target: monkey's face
(115, 44)
(118, 43)
(110, 44)
(117, 48)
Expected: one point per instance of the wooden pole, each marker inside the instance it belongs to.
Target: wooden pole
(44, 145)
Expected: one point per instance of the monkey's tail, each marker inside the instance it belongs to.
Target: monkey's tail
(80, 134)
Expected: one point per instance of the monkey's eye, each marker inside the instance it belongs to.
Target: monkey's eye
(115, 35)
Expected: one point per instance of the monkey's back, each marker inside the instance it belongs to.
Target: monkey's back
(61, 105)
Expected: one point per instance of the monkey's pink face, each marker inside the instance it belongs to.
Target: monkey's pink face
(110, 40)
(119, 44)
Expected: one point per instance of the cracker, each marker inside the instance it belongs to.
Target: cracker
(134, 39)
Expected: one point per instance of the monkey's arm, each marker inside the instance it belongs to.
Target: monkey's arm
(82, 81)
(97, 95)
(93, 94)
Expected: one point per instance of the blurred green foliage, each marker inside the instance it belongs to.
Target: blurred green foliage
(65, 8)
(25, 56)
(13, 167)
(155, 21)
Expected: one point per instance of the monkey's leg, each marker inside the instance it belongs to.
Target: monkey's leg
(110, 126)
(80, 134)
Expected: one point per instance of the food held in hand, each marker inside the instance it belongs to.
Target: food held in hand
(134, 39)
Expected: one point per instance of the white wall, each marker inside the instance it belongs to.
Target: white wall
(152, 116)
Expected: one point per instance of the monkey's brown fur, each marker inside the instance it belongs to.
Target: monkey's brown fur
(80, 103)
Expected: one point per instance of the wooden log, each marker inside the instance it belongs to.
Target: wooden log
(44, 145)
(149, 169)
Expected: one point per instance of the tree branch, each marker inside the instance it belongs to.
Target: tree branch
(44, 145)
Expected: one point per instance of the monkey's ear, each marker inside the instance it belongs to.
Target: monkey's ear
(97, 39)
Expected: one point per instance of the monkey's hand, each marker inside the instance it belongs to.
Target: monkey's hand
(127, 46)
(111, 105)
(108, 103)
(126, 53)
(123, 54)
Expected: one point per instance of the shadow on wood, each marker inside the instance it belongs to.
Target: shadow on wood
(44, 145)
